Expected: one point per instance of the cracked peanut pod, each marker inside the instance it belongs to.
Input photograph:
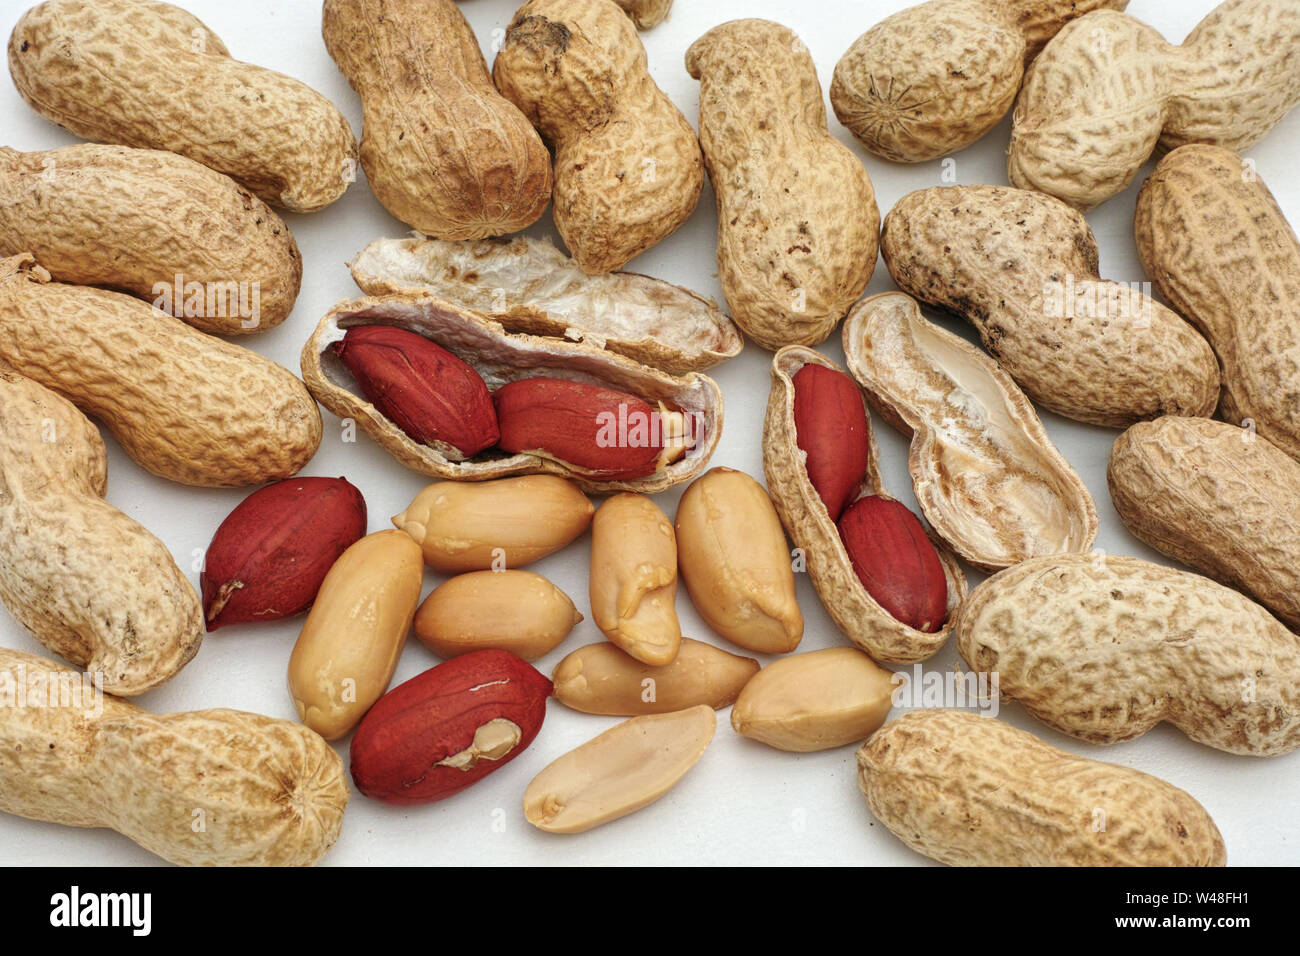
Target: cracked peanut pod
(1108, 91)
(934, 78)
(268, 792)
(1104, 648)
(87, 581)
(1216, 498)
(797, 219)
(968, 790)
(530, 286)
(1022, 268)
(634, 578)
(149, 74)
(1216, 245)
(735, 562)
(443, 151)
(627, 166)
(601, 679)
(501, 357)
(184, 405)
(988, 478)
(854, 611)
(626, 768)
(143, 220)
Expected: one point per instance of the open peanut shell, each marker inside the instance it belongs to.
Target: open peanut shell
(988, 479)
(809, 525)
(501, 357)
(528, 285)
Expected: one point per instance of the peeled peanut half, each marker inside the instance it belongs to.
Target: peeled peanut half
(815, 701)
(501, 357)
(810, 527)
(634, 578)
(735, 562)
(601, 679)
(528, 285)
(516, 611)
(988, 479)
(494, 525)
(628, 767)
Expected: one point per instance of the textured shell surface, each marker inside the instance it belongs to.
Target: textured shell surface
(1022, 268)
(1108, 90)
(143, 220)
(270, 792)
(646, 13)
(143, 73)
(1218, 498)
(185, 405)
(1105, 647)
(501, 357)
(528, 285)
(967, 790)
(809, 525)
(443, 151)
(627, 166)
(797, 218)
(1219, 249)
(986, 474)
(86, 580)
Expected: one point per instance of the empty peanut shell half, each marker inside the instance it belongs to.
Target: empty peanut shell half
(810, 527)
(528, 285)
(628, 767)
(501, 357)
(815, 701)
(601, 679)
(987, 477)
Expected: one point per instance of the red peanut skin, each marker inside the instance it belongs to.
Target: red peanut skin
(268, 558)
(563, 420)
(830, 424)
(434, 715)
(434, 397)
(895, 561)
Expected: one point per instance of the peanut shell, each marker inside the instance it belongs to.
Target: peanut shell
(987, 476)
(1218, 248)
(530, 286)
(810, 527)
(968, 790)
(149, 74)
(1104, 648)
(1022, 268)
(184, 405)
(1217, 498)
(797, 219)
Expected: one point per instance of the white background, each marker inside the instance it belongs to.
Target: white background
(743, 803)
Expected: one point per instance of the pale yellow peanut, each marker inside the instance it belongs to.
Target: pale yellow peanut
(634, 578)
(969, 790)
(628, 767)
(204, 788)
(494, 525)
(348, 648)
(601, 679)
(735, 562)
(815, 701)
(516, 611)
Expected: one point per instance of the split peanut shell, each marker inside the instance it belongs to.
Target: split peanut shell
(628, 767)
(810, 527)
(601, 679)
(988, 479)
(501, 357)
(528, 285)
